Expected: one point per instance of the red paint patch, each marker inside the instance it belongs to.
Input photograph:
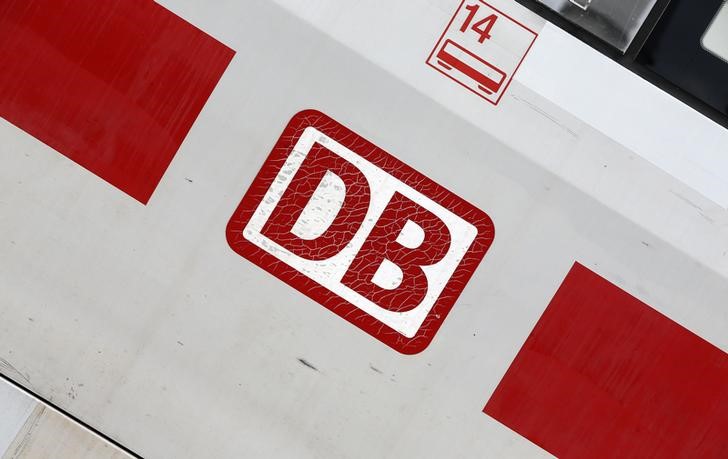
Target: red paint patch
(114, 85)
(604, 375)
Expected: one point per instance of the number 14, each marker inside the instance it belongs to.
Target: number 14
(482, 27)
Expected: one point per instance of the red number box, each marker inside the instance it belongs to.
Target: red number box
(481, 49)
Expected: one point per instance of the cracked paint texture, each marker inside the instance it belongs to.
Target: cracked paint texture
(360, 232)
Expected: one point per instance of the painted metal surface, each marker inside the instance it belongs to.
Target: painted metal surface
(113, 85)
(149, 327)
(603, 374)
(30, 429)
(16, 407)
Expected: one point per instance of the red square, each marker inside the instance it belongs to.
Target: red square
(481, 49)
(114, 85)
(602, 374)
(360, 232)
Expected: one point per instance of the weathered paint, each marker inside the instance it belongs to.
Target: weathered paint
(605, 375)
(186, 350)
(113, 85)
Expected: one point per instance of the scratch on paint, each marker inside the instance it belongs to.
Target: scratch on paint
(547, 116)
(686, 200)
(700, 210)
(7, 367)
(375, 369)
(306, 364)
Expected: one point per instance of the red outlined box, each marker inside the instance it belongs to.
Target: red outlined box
(481, 49)
(360, 232)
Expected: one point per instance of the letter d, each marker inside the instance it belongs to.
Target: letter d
(281, 225)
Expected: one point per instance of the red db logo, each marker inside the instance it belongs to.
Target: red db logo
(362, 233)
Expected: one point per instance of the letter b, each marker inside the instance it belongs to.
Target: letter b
(385, 246)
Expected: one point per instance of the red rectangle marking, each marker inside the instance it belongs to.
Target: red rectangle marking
(114, 85)
(603, 374)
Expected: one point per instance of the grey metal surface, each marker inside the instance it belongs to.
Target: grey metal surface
(715, 39)
(614, 21)
(30, 429)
